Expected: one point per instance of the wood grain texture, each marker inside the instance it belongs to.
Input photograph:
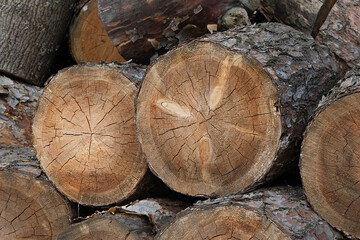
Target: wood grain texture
(30, 206)
(134, 25)
(275, 213)
(84, 134)
(30, 34)
(330, 159)
(89, 41)
(226, 113)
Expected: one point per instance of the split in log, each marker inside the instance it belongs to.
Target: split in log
(214, 121)
(18, 103)
(341, 31)
(330, 158)
(84, 133)
(135, 25)
(27, 52)
(110, 227)
(88, 39)
(277, 213)
(30, 207)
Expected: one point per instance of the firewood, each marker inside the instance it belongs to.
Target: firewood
(18, 103)
(276, 213)
(330, 159)
(341, 31)
(30, 34)
(84, 133)
(226, 113)
(30, 206)
(89, 41)
(132, 25)
(110, 227)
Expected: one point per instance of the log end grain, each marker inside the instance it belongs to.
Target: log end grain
(207, 121)
(88, 39)
(85, 137)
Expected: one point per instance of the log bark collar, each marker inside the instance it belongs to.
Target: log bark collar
(206, 120)
(84, 134)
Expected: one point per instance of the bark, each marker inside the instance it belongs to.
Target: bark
(18, 103)
(28, 51)
(84, 133)
(301, 15)
(30, 206)
(89, 41)
(329, 160)
(226, 113)
(341, 31)
(143, 27)
(275, 213)
(110, 227)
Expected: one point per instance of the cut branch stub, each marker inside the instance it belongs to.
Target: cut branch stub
(206, 120)
(88, 39)
(330, 158)
(84, 134)
(30, 207)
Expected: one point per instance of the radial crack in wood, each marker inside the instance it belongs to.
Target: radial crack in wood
(84, 134)
(200, 155)
(330, 158)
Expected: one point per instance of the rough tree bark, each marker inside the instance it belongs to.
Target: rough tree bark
(84, 133)
(138, 28)
(89, 41)
(341, 31)
(300, 14)
(110, 227)
(226, 113)
(30, 34)
(30, 207)
(330, 159)
(275, 213)
(18, 103)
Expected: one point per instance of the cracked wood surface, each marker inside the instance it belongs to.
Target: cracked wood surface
(84, 134)
(89, 41)
(226, 113)
(206, 124)
(30, 34)
(330, 158)
(275, 213)
(139, 28)
(30, 207)
(110, 227)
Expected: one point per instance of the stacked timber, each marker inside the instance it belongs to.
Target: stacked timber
(330, 158)
(226, 113)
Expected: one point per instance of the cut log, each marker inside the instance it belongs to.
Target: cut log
(18, 103)
(214, 121)
(134, 26)
(30, 207)
(88, 39)
(84, 133)
(330, 159)
(277, 213)
(27, 52)
(110, 227)
(300, 14)
(341, 31)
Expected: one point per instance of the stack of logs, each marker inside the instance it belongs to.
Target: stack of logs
(219, 116)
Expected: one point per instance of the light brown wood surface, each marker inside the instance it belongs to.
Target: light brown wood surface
(88, 39)
(84, 134)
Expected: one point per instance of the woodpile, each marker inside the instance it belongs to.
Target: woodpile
(242, 124)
